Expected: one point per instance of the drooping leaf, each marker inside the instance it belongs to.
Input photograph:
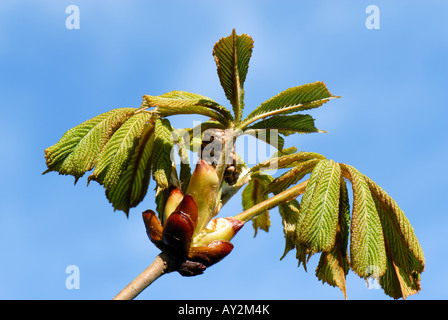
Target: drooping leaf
(294, 99)
(119, 150)
(405, 246)
(334, 265)
(232, 55)
(133, 183)
(405, 259)
(163, 146)
(367, 250)
(181, 102)
(75, 153)
(397, 282)
(290, 212)
(301, 123)
(253, 194)
(318, 228)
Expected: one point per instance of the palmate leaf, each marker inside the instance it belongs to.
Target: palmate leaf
(76, 152)
(294, 99)
(254, 193)
(382, 241)
(133, 182)
(232, 55)
(181, 102)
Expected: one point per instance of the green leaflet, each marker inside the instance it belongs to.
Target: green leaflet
(301, 123)
(232, 55)
(286, 161)
(119, 149)
(320, 207)
(254, 193)
(398, 231)
(132, 185)
(270, 137)
(290, 213)
(367, 250)
(294, 99)
(182, 141)
(181, 102)
(292, 176)
(163, 146)
(405, 259)
(75, 153)
(334, 265)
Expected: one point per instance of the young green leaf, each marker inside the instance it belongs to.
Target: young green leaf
(119, 149)
(271, 137)
(405, 259)
(318, 228)
(367, 250)
(334, 265)
(292, 176)
(286, 161)
(290, 213)
(397, 229)
(181, 102)
(75, 153)
(253, 194)
(294, 99)
(163, 146)
(232, 55)
(132, 185)
(300, 123)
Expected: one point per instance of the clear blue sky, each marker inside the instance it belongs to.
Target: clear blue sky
(390, 124)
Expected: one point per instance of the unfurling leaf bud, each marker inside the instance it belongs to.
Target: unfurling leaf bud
(174, 198)
(211, 253)
(218, 229)
(203, 187)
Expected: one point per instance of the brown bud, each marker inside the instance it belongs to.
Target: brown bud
(154, 229)
(212, 253)
(178, 232)
(189, 207)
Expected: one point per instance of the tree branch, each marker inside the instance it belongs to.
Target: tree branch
(161, 265)
(272, 202)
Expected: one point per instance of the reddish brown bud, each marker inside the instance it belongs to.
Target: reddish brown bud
(189, 207)
(177, 233)
(154, 229)
(212, 253)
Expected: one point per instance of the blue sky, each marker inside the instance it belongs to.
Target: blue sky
(390, 124)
